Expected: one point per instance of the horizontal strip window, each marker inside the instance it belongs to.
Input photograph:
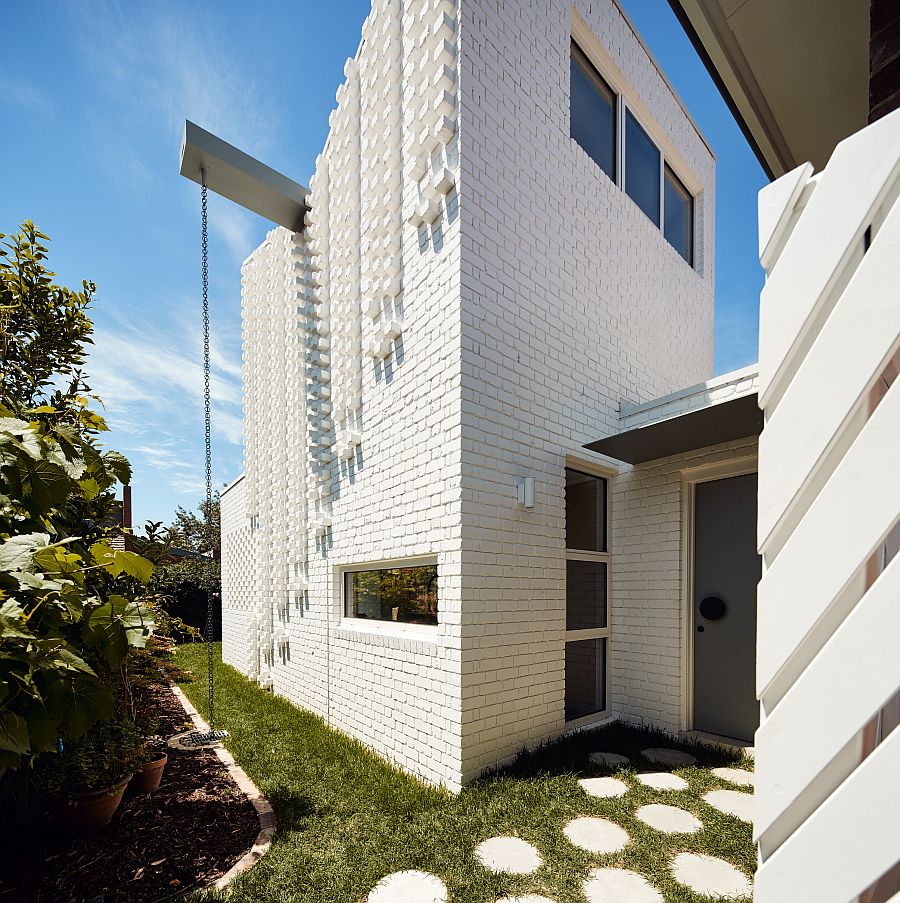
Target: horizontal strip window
(678, 204)
(592, 122)
(401, 595)
(608, 130)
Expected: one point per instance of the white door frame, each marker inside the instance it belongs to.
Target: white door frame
(690, 477)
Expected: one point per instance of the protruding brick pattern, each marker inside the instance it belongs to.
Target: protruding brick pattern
(471, 302)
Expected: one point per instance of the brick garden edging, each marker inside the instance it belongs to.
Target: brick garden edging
(263, 807)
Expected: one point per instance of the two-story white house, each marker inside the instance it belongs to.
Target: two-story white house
(479, 508)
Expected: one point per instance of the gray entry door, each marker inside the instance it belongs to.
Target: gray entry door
(726, 572)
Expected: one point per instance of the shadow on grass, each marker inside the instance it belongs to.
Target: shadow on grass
(571, 755)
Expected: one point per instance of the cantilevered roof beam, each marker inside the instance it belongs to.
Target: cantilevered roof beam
(242, 178)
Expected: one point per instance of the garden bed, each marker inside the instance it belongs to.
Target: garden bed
(181, 836)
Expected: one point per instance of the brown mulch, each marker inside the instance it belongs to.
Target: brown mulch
(181, 836)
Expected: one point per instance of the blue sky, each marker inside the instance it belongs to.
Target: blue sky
(93, 96)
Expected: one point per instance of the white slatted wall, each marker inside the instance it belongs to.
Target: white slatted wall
(828, 664)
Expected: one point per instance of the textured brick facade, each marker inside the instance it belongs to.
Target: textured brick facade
(471, 302)
(572, 302)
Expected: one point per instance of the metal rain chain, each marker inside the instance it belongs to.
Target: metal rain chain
(200, 739)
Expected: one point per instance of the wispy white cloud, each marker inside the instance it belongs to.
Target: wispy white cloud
(149, 368)
(233, 226)
(20, 92)
(177, 67)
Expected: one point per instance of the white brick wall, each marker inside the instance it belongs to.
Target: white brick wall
(572, 301)
(351, 380)
(238, 576)
(471, 302)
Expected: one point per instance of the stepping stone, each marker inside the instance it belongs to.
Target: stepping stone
(612, 760)
(619, 886)
(662, 780)
(409, 887)
(596, 835)
(528, 898)
(731, 802)
(669, 819)
(604, 787)
(710, 877)
(739, 776)
(510, 855)
(671, 757)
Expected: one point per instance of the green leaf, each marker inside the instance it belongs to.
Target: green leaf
(116, 625)
(42, 733)
(119, 465)
(13, 732)
(79, 703)
(12, 621)
(117, 562)
(46, 484)
(17, 552)
(56, 560)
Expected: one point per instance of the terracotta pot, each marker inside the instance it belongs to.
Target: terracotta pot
(88, 811)
(148, 776)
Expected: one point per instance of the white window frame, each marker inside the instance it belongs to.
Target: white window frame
(595, 633)
(376, 626)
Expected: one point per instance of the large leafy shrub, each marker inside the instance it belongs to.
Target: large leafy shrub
(71, 607)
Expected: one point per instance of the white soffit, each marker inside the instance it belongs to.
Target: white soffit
(795, 72)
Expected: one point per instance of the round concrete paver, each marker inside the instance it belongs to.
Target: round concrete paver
(611, 760)
(669, 819)
(528, 898)
(596, 835)
(409, 887)
(662, 780)
(710, 876)
(619, 886)
(731, 802)
(739, 776)
(604, 787)
(672, 757)
(510, 855)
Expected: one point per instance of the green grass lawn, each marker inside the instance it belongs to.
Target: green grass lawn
(346, 818)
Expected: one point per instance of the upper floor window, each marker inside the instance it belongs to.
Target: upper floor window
(592, 109)
(642, 159)
(602, 123)
(679, 225)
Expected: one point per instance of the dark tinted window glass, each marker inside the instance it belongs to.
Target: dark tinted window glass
(592, 113)
(641, 168)
(585, 594)
(679, 215)
(407, 595)
(585, 678)
(585, 511)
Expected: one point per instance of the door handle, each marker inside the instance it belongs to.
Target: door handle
(712, 608)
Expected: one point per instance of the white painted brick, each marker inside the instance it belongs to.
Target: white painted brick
(538, 301)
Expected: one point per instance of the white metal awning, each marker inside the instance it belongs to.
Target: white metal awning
(720, 410)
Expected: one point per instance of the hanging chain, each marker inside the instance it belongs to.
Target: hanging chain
(210, 530)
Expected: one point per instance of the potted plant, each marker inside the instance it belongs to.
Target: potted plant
(84, 782)
(148, 777)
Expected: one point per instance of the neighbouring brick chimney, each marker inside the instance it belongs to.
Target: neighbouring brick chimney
(884, 58)
(126, 507)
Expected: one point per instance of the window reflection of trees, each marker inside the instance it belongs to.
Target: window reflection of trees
(406, 595)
